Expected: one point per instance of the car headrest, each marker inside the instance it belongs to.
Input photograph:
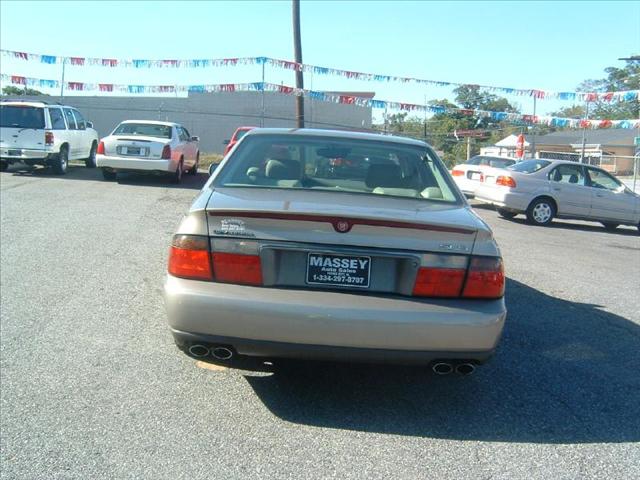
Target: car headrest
(573, 178)
(283, 169)
(557, 176)
(389, 176)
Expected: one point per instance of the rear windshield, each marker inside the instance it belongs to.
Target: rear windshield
(17, 116)
(338, 165)
(529, 166)
(146, 129)
(495, 162)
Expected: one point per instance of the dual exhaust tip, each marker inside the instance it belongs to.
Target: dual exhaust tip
(218, 352)
(445, 368)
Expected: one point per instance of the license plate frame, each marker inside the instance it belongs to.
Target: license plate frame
(338, 270)
(14, 152)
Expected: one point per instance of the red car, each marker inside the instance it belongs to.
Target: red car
(237, 135)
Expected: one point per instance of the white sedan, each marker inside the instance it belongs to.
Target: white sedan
(149, 146)
(544, 189)
(468, 175)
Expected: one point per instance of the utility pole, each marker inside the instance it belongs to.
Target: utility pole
(468, 148)
(533, 130)
(584, 134)
(297, 49)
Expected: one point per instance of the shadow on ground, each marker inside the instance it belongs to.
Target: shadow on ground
(76, 172)
(564, 373)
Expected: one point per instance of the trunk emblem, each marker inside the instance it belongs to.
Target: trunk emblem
(342, 226)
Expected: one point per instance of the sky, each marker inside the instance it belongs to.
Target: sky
(542, 45)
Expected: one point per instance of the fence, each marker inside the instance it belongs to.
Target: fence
(619, 165)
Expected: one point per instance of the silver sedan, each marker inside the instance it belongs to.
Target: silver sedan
(385, 262)
(544, 189)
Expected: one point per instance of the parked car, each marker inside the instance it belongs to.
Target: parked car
(469, 174)
(39, 133)
(275, 261)
(149, 146)
(545, 189)
(237, 135)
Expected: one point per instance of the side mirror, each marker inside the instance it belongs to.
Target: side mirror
(212, 168)
(195, 138)
(89, 124)
(226, 142)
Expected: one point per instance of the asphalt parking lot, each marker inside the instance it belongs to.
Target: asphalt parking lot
(93, 387)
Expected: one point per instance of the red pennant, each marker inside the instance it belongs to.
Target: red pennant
(105, 87)
(77, 61)
(18, 80)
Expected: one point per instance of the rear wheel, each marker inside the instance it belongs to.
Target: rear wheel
(4, 166)
(541, 212)
(109, 174)
(506, 213)
(60, 163)
(194, 169)
(177, 176)
(90, 161)
(610, 226)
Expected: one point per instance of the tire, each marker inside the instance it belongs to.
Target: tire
(177, 176)
(109, 174)
(610, 226)
(541, 211)
(194, 169)
(506, 213)
(61, 162)
(90, 161)
(4, 166)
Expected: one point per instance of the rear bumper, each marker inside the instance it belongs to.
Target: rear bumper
(25, 155)
(504, 198)
(267, 349)
(307, 323)
(128, 163)
(467, 186)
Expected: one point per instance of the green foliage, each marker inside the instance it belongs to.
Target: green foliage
(618, 79)
(13, 90)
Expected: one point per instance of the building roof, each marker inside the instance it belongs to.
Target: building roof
(605, 137)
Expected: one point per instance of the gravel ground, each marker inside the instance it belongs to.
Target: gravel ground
(92, 386)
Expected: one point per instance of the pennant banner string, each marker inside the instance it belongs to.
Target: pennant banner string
(322, 96)
(620, 96)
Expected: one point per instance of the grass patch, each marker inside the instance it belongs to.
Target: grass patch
(207, 159)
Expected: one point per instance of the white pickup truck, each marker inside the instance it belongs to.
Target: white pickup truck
(39, 133)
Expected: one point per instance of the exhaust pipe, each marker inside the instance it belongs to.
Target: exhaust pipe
(442, 368)
(465, 369)
(199, 350)
(221, 353)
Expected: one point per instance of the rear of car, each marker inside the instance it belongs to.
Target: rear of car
(276, 258)
(468, 175)
(139, 146)
(25, 135)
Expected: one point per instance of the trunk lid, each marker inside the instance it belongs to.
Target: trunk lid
(341, 219)
(134, 146)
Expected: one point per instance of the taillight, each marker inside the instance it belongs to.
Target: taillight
(444, 276)
(438, 282)
(166, 153)
(485, 278)
(100, 149)
(237, 268)
(506, 181)
(335, 162)
(189, 257)
(48, 138)
(457, 173)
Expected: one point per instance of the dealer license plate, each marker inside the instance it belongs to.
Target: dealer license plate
(339, 270)
(132, 150)
(14, 153)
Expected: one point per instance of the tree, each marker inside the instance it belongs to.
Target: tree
(12, 90)
(618, 79)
